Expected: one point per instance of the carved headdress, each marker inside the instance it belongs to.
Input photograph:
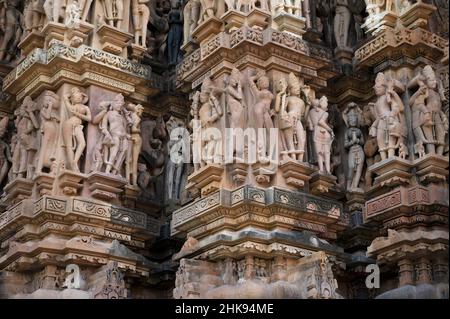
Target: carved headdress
(352, 107)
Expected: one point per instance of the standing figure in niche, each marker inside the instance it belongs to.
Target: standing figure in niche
(141, 16)
(259, 85)
(135, 143)
(323, 134)
(292, 109)
(191, 16)
(235, 108)
(5, 151)
(342, 23)
(27, 145)
(175, 36)
(389, 126)
(55, 10)
(49, 128)
(113, 10)
(431, 118)
(73, 136)
(114, 128)
(354, 141)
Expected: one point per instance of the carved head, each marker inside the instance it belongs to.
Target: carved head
(294, 85)
(352, 115)
(118, 102)
(323, 102)
(50, 100)
(430, 77)
(380, 84)
(282, 85)
(78, 97)
(204, 97)
(235, 77)
(263, 83)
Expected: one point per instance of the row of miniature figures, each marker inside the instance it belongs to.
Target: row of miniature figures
(50, 136)
(246, 100)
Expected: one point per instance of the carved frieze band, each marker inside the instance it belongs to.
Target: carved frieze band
(60, 206)
(59, 50)
(295, 201)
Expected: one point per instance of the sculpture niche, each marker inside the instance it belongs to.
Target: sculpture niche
(292, 110)
(389, 126)
(323, 134)
(354, 141)
(429, 122)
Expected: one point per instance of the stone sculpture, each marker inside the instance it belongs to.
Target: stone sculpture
(191, 16)
(10, 28)
(389, 127)
(323, 134)
(73, 136)
(354, 141)
(113, 12)
(135, 144)
(5, 151)
(293, 7)
(234, 105)
(429, 122)
(50, 121)
(85, 6)
(114, 129)
(292, 110)
(24, 150)
(73, 14)
(175, 36)
(259, 85)
(55, 10)
(208, 10)
(342, 23)
(141, 17)
(34, 15)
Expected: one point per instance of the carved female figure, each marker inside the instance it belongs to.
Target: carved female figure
(73, 135)
(354, 141)
(389, 126)
(259, 85)
(430, 124)
(208, 10)
(141, 16)
(323, 134)
(342, 23)
(291, 116)
(234, 99)
(49, 128)
(54, 9)
(135, 144)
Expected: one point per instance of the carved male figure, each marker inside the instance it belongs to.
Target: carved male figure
(389, 126)
(73, 136)
(430, 124)
(354, 141)
(49, 128)
(175, 36)
(141, 16)
(292, 109)
(26, 146)
(114, 128)
(323, 134)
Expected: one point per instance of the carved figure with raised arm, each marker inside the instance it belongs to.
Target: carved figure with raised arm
(73, 136)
